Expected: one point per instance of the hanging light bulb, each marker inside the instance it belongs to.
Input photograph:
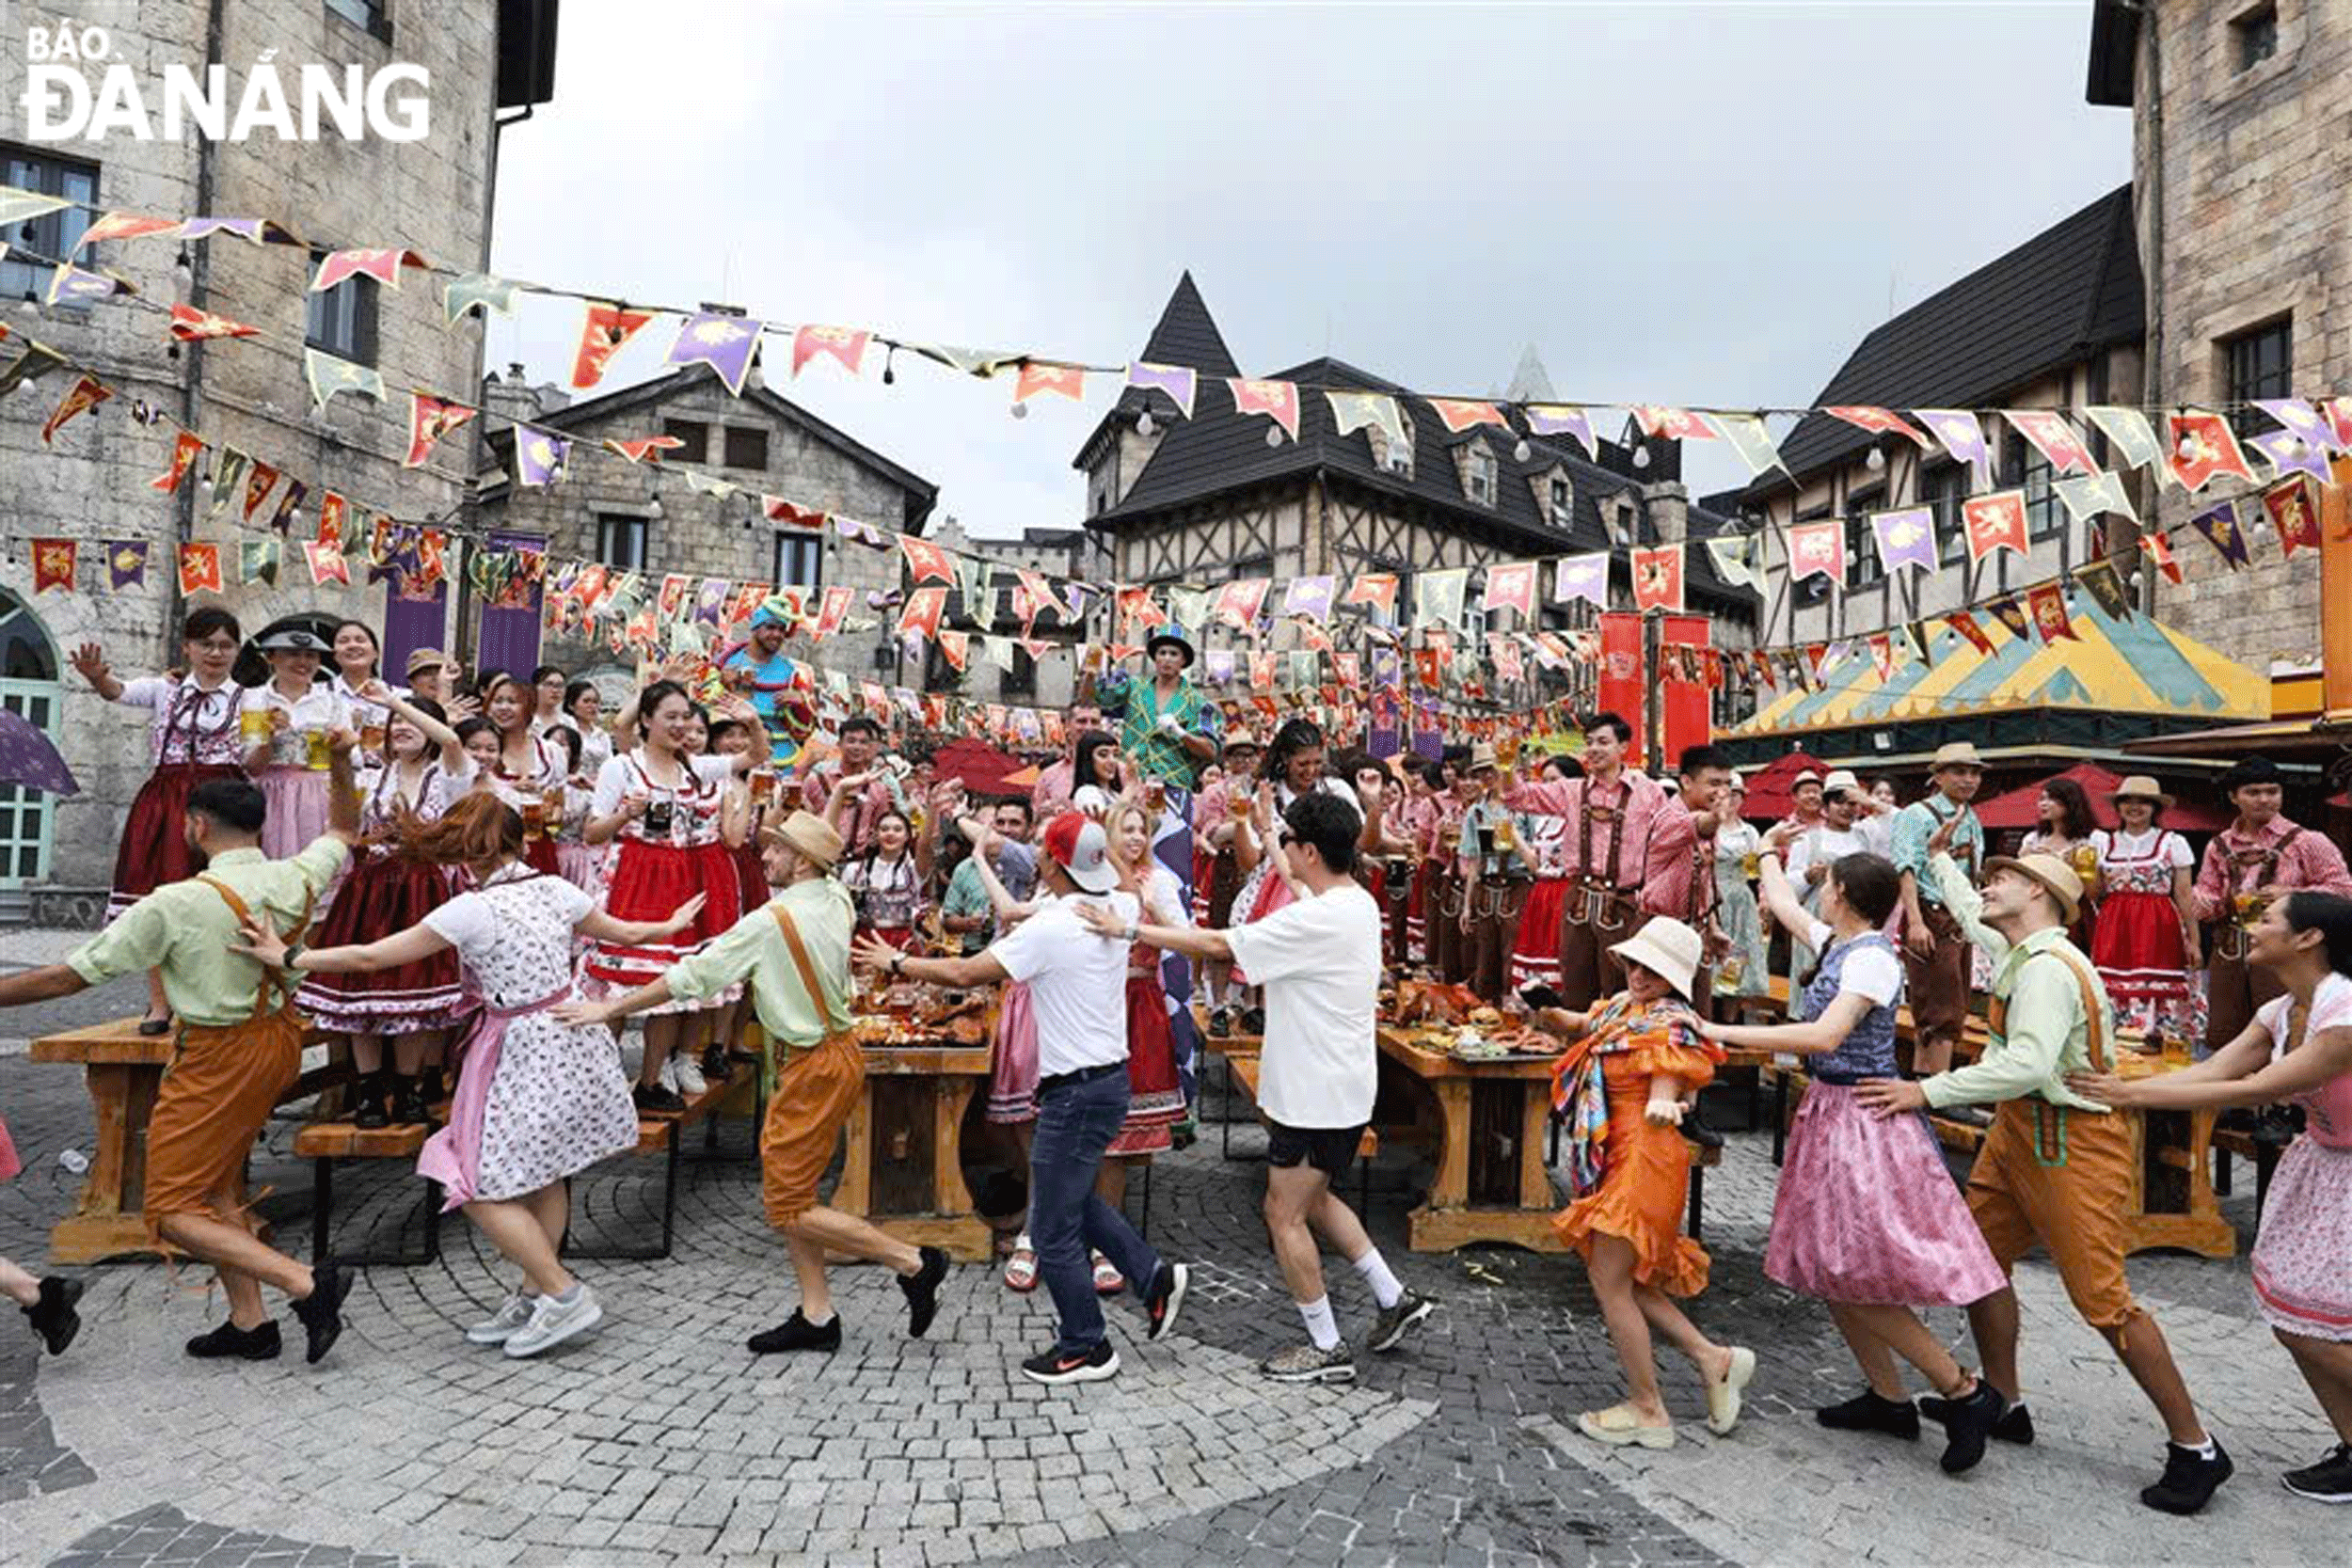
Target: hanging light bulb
(184, 269)
(1145, 424)
(1274, 436)
(1521, 452)
(31, 306)
(1641, 455)
(654, 510)
(1876, 460)
(890, 371)
(1020, 410)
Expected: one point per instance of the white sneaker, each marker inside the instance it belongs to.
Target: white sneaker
(688, 1074)
(552, 1323)
(669, 1074)
(506, 1323)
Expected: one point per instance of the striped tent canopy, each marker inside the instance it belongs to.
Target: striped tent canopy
(2133, 668)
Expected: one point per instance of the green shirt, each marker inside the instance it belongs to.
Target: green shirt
(2046, 1034)
(754, 947)
(185, 928)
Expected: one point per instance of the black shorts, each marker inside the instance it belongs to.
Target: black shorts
(1328, 1149)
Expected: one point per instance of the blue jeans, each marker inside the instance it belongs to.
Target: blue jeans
(1075, 1122)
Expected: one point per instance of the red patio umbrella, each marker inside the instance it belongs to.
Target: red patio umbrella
(2019, 808)
(982, 767)
(1768, 799)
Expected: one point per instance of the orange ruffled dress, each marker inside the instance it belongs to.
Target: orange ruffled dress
(1646, 1169)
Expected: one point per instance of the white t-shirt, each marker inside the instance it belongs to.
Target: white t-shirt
(2331, 1008)
(2157, 843)
(1077, 982)
(1872, 972)
(1319, 961)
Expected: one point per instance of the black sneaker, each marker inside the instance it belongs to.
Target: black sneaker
(1388, 1329)
(1967, 1422)
(244, 1344)
(1220, 1022)
(922, 1291)
(1165, 1300)
(322, 1310)
(2328, 1481)
(52, 1314)
(1054, 1368)
(1869, 1411)
(1253, 1021)
(2189, 1479)
(408, 1106)
(1700, 1133)
(2015, 1425)
(797, 1333)
(657, 1101)
(715, 1063)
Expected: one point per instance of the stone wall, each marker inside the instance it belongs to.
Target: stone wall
(429, 195)
(2240, 176)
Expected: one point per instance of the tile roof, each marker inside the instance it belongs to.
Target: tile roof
(2072, 288)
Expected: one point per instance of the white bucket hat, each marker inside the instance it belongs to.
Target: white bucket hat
(1666, 947)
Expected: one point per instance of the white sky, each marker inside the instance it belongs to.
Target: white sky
(1702, 203)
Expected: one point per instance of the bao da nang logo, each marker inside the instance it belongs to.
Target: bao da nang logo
(75, 90)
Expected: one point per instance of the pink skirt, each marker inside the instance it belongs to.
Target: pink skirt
(1867, 1213)
(1536, 951)
(297, 809)
(2301, 1282)
(582, 866)
(1012, 1081)
(9, 1163)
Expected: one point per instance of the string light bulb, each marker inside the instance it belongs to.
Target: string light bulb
(653, 508)
(1274, 436)
(1641, 455)
(1521, 452)
(890, 373)
(1146, 425)
(1020, 410)
(1876, 460)
(184, 268)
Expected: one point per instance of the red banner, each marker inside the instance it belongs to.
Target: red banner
(1621, 689)
(1687, 718)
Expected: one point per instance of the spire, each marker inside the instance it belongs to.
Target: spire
(1531, 382)
(1188, 336)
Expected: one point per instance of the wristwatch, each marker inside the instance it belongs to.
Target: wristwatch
(1135, 931)
(895, 961)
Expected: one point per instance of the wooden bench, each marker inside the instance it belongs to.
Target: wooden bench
(658, 1132)
(1703, 1158)
(2227, 1140)
(323, 1143)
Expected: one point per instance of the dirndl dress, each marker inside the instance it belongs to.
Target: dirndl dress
(1535, 950)
(194, 737)
(1012, 1071)
(385, 892)
(1155, 1099)
(667, 854)
(2302, 1283)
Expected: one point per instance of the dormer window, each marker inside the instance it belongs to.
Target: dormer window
(1559, 505)
(1478, 475)
(1395, 457)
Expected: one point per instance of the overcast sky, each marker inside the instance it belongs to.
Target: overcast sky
(1704, 203)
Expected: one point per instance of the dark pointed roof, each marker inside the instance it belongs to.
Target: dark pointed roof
(2071, 289)
(1186, 335)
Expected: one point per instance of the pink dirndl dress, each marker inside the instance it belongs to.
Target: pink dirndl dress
(2302, 1282)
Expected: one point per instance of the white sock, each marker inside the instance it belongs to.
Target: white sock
(2203, 1451)
(1321, 1327)
(1385, 1288)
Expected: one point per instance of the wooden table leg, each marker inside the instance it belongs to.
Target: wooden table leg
(105, 1221)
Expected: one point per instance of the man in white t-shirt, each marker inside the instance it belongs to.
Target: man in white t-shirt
(1319, 959)
(1078, 992)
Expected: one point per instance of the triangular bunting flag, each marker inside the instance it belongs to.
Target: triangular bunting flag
(2204, 448)
(429, 419)
(1883, 421)
(2049, 612)
(86, 393)
(2291, 512)
(1277, 400)
(382, 265)
(604, 327)
(2219, 525)
(185, 448)
(330, 374)
(2054, 438)
(2156, 547)
(724, 341)
(1996, 522)
(1176, 382)
(477, 291)
(189, 325)
(1733, 555)
(1746, 434)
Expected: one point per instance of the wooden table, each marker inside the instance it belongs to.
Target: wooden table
(904, 1167)
(1491, 1182)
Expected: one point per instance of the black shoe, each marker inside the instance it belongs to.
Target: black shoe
(1165, 1301)
(371, 1092)
(1700, 1133)
(2189, 1479)
(657, 1101)
(246, 1345)
(922, 1291)
(1868, 1412)
(2328, 1481)
(1253, 1021)
(2015, 1425)
(322, 1310)
(409, 1105)
(1054, 1368)
(152, 1027)
(1967, 1422)
(1220, 1022)
(53, 1316)
(797, 1333)
(715, 1063)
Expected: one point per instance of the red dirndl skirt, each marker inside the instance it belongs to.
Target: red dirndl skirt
(1535, 954)
(155, 848)
(899, 936)
(539, 854)
(386, 893)
(751, 876)
(1416, 914)
(2137, 947)
(648, 881)
(1155, 1100)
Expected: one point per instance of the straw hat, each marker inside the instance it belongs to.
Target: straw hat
(1841, 780)
(422, 659)
(2052, 873)
(1959, 753)
(2139, 787)
(811, 834)
(1481, 756)
(1804, 776)
(1666, 947)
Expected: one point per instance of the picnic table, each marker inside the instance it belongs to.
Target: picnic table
(1491, 1182)
(904, 1164)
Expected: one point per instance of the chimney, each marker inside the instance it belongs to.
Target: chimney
(1669, 506)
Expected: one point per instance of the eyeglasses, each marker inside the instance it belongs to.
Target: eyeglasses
(1285, 838)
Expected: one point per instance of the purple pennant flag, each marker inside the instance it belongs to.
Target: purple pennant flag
(1906, 538)
(1220, 665)
(538, 458)
(126, 563)
(1961, 436)
(1308, 596)
(73, 284)
(2291, 451)
(1177, 381)
(711, 602)
(1560, 418)
(2219, 525)
(204, 228)
(727, 343)
(1582, 577)
(2299, 416)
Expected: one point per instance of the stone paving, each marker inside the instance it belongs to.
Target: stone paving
(659, 1440)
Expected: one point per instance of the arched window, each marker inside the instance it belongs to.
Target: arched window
(25, 652)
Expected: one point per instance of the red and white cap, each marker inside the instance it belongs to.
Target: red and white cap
(1077, 844)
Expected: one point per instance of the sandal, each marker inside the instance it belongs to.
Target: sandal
(1108, 1281)
(1723, 1399)
(1020, 1273)
(1619, 1427)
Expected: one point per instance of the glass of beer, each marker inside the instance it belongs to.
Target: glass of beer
(1155, 793)
(763, 786)
(1752, 864)
(253, 726)
(372, 737)
(551, 805)
(2176, 1051)
(1237, 805)
(314, 750)
(1506, 837)
(534, 817)
(2248, 907)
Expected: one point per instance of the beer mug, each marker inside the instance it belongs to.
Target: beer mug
(1506, 837)
(2176, 1050)
(763, 786)
(1155, 793)
(314, 750)
(1237, 805)
(551, 804)
(372, 737)
(253, 725)
(1752, 864)
(1727, 976)
(534, 817)
(2248, 907)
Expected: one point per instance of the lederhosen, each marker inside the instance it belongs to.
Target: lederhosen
(2235, 990)
(1938, 984)
(1701, 911)
(217, 1094)
(1495, 904)
(1599, 908)
(815, 1092)
(1449, 953)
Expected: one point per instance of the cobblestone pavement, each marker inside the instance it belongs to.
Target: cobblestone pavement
(658, 1440)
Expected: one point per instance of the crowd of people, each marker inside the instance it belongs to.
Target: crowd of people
(474, 881)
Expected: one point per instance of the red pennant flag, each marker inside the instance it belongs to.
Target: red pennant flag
(1657, 577)
(924, 607)
(2054, 438)
(382, 265)
(844, 345)
(926, 561)
(1376, 589)
(1460, 415)
(2338, 413)
(1511, 586)
(189, 325)
(184, 449)
(328, 564)
(1814, 653)
(1067, 381)
(602, 331)
(84, 395)
(1996, 522)
(957, 647)
(1883, 421)
(259, 480)
(54, 561)
(199, 568)
(1261, 672)
(1883, 655)
(429, 419)
(2289, 504)
(747, 599)
(1239, 601)
(2159, 549)
(777, 510)
(2049, 612)
(832, 610)
(1674, 424)
(334, 515)
(1817, 548)
(124, 226)
(1277, 400)
(2204, 448)
(644, 449)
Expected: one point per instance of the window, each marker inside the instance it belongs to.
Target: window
(341, 321)
(2026, 470)
(1560, 506)
(1021, 680)
(2258, 364)
(621, 541)
(1478, 475)
(52, 234)
(746, 448)
(1862, 565)
(1942, 490)
(367, 14)
(2256, 36)
(695, 437)
(800, 560)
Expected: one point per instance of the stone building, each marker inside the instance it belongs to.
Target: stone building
(1206, 501)
(610, 510)
(433, 196)
(1059, 553)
